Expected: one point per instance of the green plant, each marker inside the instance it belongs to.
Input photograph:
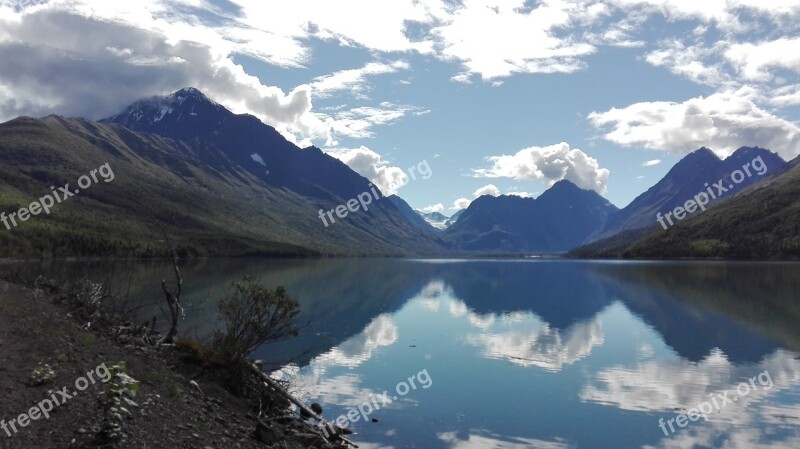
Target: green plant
(252, 315)
(42, 375)
(117, 395)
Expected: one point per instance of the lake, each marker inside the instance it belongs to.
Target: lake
(522, 353)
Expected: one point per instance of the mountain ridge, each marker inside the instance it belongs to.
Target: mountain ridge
(558, 220)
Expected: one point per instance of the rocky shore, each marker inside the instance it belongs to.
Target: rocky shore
(176, 403)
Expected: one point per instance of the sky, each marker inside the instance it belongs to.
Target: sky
(493, 97)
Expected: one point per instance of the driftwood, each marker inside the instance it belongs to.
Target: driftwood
(173, 302)
(277, 387)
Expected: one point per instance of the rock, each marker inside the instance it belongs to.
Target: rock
(267, 434)
(316, 408)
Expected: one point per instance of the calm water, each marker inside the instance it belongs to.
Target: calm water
(527, 354)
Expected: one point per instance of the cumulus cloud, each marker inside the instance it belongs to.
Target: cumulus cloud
(92, 58)
(461, 203)
(521, 194)
(552, 163)
(723, 122)
(439, 207)
(371, 165)
(489, 189)
(514, 38)
(652, 163)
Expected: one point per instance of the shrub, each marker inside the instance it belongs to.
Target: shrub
(114, 400)
(252, 315)
(191, 349)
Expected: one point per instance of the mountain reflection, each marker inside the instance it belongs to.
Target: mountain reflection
(542, 354)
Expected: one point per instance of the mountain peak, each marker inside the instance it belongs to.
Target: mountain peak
(189, 93)
(565, 184)
(188, 103)
(702, 152)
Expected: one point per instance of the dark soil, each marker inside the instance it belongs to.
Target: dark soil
(171, 412)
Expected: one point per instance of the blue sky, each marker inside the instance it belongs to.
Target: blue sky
(497, 96)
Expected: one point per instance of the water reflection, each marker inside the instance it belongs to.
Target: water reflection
(542, 354)
(532, 343)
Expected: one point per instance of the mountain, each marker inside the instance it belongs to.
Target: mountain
(695, 173)
(413, 216)
(560, 219)
(196, 187)
(761, 222)
(189, 116)
(454, 218)
(435, 219)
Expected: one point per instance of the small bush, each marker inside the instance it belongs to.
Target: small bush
(191, 349)
(252, 315)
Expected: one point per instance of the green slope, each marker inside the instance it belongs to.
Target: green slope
(222, 211)
(761, 222)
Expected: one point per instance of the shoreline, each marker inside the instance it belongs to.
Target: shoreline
(178, 404)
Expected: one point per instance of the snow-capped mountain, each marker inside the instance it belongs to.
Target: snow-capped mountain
(435, 219)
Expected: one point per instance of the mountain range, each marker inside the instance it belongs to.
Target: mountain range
(693, 174)
(228, 184)
(562, 218)
(760, 222)
(223, 184)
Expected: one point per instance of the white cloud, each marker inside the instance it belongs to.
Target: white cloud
(371, 165)
(514, 38)
(358, 122)
(723, 122)
(754, 61)
(785, 96)
(439, 207)
(552, 163)
(489, 189)
(707, 10)
(461, 203)
(92, 58)
(522, 194)
(690, 61)
(343, 21)
(463, 78)
(93, 67)
(353, 80)
(652, 163)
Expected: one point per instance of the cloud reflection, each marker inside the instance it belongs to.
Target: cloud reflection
(673, 386)
(543, 346)
(380, 332)
(487, 441)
